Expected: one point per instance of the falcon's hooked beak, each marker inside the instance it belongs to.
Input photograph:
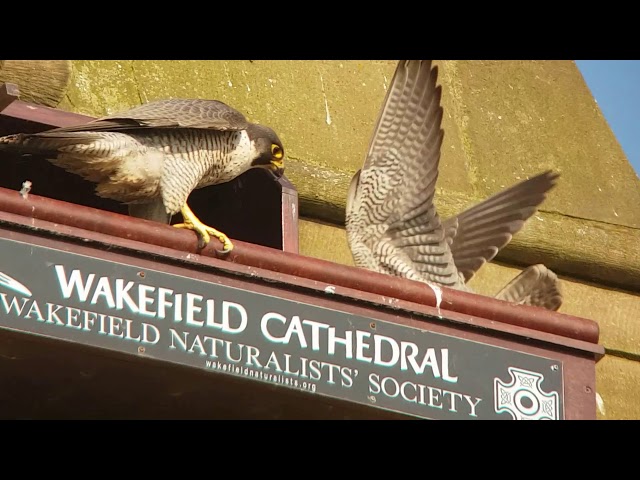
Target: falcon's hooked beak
(277, 167)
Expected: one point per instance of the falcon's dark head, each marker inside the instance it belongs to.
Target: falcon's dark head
(268, 148)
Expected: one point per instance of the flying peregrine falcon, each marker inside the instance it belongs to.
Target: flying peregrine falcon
(153, 156)
(391, 220)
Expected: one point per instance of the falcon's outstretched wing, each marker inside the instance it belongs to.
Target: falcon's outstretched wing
(477, 234)
(537, 286)
(392, 224)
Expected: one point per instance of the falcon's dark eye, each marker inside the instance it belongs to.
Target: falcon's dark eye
(276, 151)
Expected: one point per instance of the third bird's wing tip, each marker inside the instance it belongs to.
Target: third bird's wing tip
(536, 286)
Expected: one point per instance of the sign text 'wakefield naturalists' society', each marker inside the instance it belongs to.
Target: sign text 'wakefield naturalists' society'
(276, 340)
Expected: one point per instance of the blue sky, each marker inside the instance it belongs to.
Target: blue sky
(615, 84)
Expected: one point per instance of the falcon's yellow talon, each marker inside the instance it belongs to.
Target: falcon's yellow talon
(192, 222)
(227, 246)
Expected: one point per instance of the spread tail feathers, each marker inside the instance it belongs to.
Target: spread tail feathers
(537, 286)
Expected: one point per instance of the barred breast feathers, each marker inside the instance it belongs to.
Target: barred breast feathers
(192, 158)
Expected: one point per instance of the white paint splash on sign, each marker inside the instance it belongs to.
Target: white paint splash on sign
(437, 291)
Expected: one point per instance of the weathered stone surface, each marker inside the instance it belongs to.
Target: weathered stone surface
(528, 116)
(44, 82)
(618, 386)
(324, 241)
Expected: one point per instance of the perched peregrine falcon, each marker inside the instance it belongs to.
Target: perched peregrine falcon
(391, 220)
(153, 156)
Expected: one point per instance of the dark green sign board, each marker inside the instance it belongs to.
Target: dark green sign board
(232, 331)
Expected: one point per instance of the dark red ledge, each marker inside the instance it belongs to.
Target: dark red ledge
(22, 210)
